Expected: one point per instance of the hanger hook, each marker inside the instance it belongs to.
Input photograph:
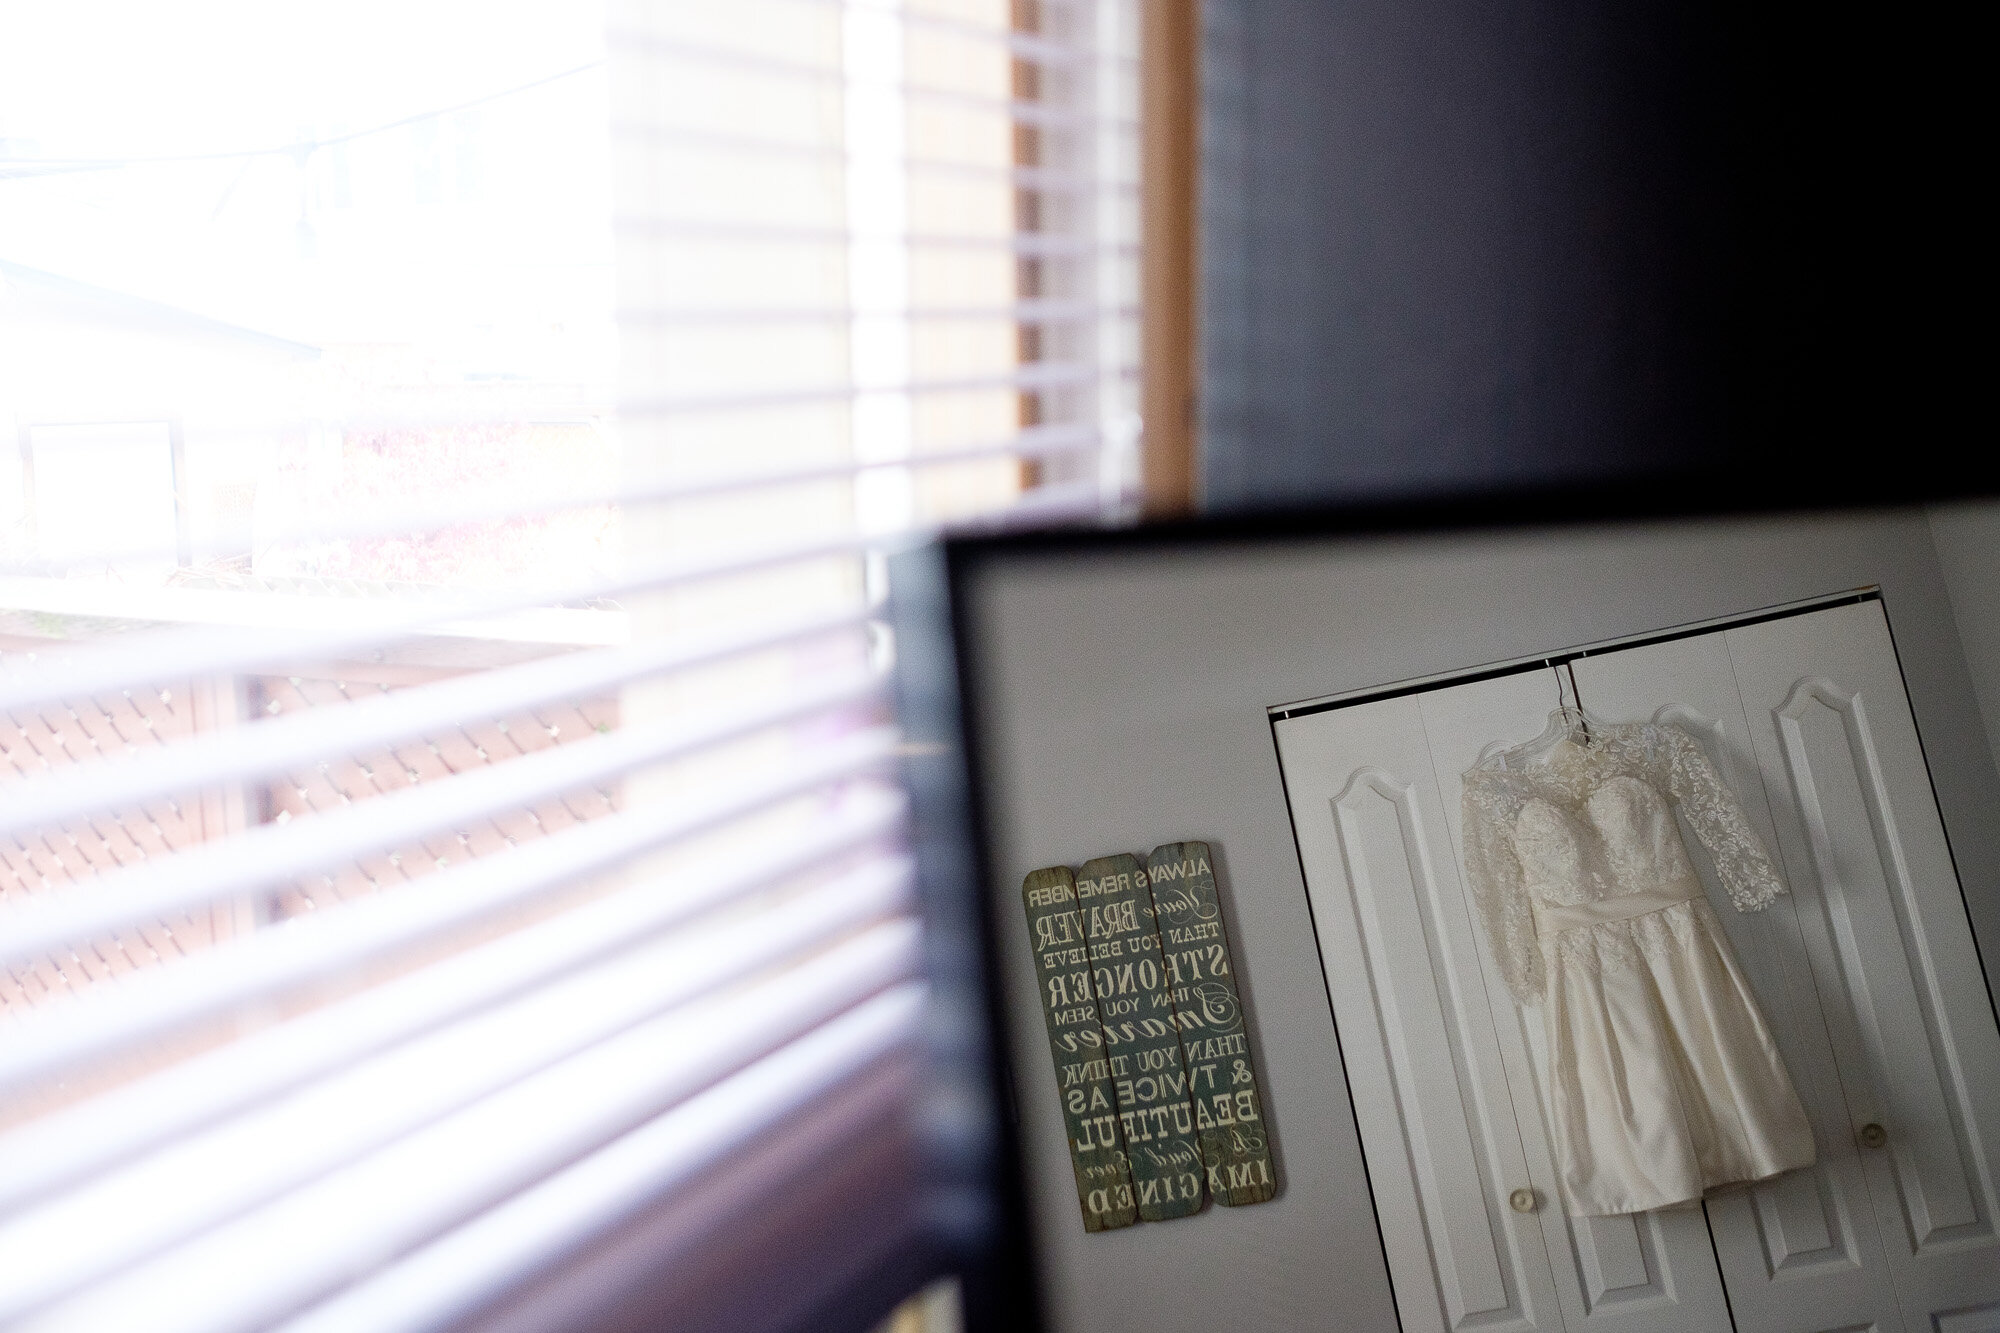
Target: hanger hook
(1582, 718)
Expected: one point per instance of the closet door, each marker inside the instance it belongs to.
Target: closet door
(1416, 1032)
(1891, 951)
(1801, 1253)
(1444, 1069)
(1643, 1273)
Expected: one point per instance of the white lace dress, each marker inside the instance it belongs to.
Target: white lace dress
(1663, 1078)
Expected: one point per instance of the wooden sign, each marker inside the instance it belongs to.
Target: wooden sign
(1142, 1039)
(1222, 1084)
(1077, 1041)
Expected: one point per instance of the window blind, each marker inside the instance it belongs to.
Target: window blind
(451, 901)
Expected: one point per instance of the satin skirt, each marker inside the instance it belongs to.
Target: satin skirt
(1664, 1081)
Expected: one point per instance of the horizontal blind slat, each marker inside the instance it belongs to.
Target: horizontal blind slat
(1023, 312)
(1042, 49)
(1032, 442)
(1029, 243)
(1027, 44)
(271, 1262)
(1034, 375)
(1072, 500)
(631, 44)
(345, 628)
(297, 738)
(271, 855)
(1037, 178)
(454, 1276)
(375, 930)
(240, 1164)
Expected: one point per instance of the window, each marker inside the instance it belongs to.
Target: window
(452, 856)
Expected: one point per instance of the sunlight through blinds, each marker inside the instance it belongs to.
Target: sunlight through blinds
(453, 871)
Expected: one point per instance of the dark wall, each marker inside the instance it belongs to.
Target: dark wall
(1451, 246)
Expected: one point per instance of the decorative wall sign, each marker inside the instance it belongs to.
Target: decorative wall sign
(1076, 1040)
(1222, 1083)
(1142, 1038)
(1137, 984)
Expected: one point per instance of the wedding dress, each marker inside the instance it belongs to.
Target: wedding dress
(1663, 1078)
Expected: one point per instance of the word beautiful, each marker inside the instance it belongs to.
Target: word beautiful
(1159, 1098)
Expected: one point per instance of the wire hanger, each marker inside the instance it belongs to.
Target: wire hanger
(1569, 722)
(1573, 710)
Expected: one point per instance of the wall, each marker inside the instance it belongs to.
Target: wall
(1968, 545)
(1448, 247)
(1121, 702)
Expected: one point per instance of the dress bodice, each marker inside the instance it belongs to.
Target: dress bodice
(1595, 822)
(1620, 839)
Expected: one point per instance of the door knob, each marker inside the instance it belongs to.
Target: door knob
(1873, 1135)
(1522, 1201)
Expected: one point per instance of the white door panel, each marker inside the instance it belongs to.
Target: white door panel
(1974, 1319)
(1800, 1253)
(1911, 1026)
(1416, 1030)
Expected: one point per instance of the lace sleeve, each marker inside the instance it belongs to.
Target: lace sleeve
(1495, 876)
(1712, 809)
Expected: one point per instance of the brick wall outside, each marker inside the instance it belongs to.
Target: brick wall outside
(55, 859)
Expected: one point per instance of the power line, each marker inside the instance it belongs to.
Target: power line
(299, 148)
